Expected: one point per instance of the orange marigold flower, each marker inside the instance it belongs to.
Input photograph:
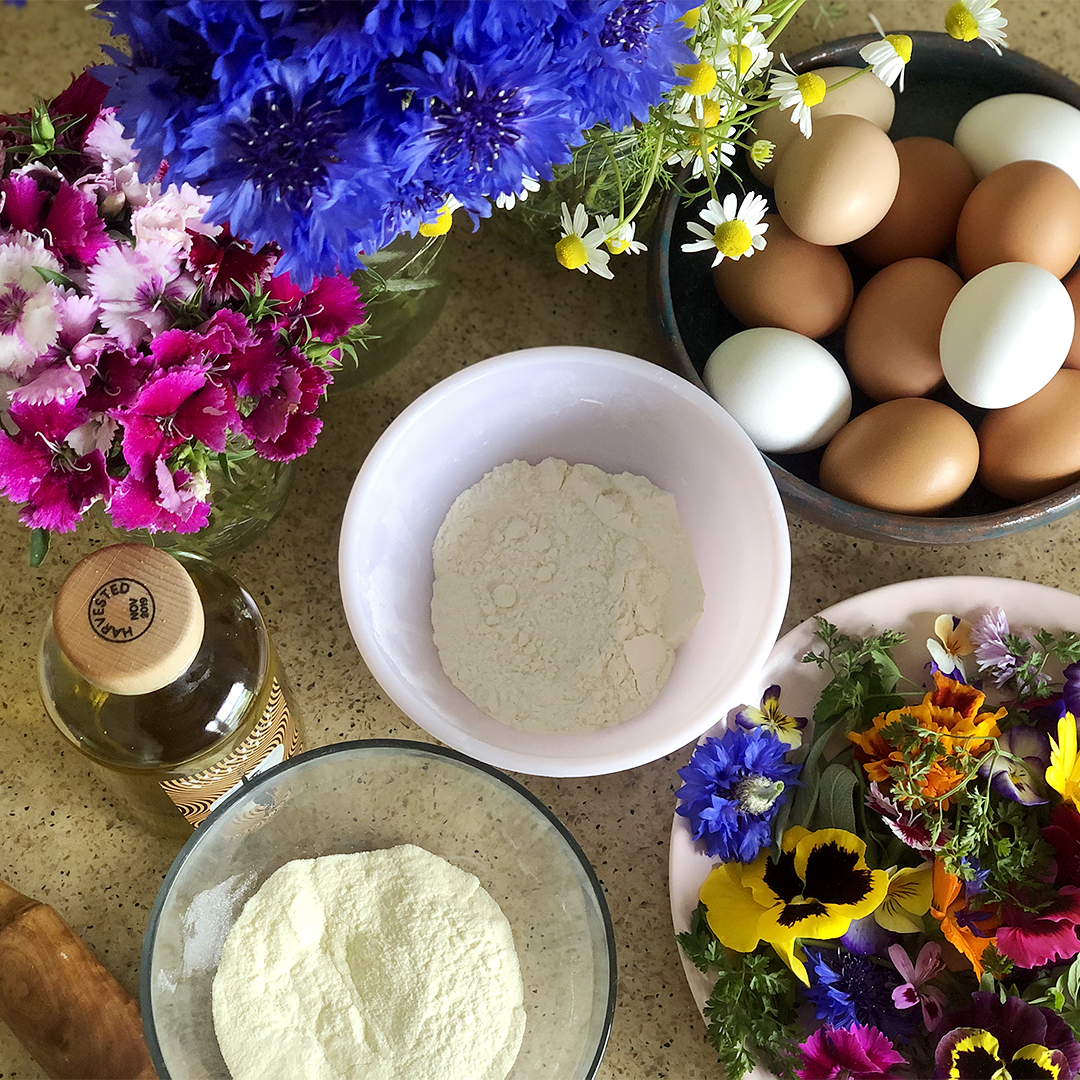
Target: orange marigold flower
(951, 712)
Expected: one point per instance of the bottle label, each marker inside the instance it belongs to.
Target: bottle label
(273, 739)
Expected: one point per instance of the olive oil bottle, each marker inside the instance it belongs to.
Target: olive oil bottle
(159, 669)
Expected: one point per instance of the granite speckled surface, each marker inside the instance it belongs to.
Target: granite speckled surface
(61, 839)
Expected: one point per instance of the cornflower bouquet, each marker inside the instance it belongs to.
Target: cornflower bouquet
(896, 888)
(139, 342)
(331, 128)
(701, 124)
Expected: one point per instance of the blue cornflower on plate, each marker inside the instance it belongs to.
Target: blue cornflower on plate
(733, 787)
(848, 989)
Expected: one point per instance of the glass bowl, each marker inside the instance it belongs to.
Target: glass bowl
(358, 796)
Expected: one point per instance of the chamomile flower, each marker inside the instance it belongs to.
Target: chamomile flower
(968, 20)
(889, 56)
(761, 152)
(800, 93)
(736, 231)
(741, 55)
(701, 78)
(704, 113)
(619, 239)
(509, 200)
(441, 225)
(581, 248)
(744, 11)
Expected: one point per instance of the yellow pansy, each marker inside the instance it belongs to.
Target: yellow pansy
(907, 899)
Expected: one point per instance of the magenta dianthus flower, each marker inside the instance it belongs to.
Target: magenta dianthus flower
(851, 1053)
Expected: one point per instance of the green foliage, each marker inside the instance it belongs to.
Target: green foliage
(1033, 655)
(1061, 994)
(39, 546)
(751, 1010)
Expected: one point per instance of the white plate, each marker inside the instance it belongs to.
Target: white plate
(908, 606)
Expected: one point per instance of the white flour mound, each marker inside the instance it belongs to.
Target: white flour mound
(561, 594)
(382, 965)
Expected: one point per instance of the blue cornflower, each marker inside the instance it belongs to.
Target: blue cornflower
(847, 989)
(733, 788)
(289, 160)
(633, 49)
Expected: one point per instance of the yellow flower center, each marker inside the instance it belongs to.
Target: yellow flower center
(616, 245)
(902, 44)
(741, 57)
(702, 78)
(691, 18)
(811, 88)
(761, 153)
(571, 253)
(440, 225)
(709, 113)
(733, 238)
(960, 23)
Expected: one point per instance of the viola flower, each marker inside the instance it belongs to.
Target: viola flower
(888, 57)
(29, 315)
(1063, 834)
(509, 199)
(991, 653)
(970, 933)
(732, 790)
(914, 991)
(852, 1053)
(953, 644)
(846, 989)
(1070, 692)
(788, 729)
(1063, 774)
(1034, 939)
(800, 93)
(1017, 765)
(136, 288)
(816, 888)
(580, 248)
(907, 899)
(1028, 1034)
(951, 713)
(619, 239)
(866, 937)
(970, 20)
(737, 229)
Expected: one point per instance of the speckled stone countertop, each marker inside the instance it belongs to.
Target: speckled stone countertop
(62, 841)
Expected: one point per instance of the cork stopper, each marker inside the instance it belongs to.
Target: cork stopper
(129, 619)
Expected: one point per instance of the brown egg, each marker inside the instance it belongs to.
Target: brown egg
(1072, 287)
(837, 186)
(935, 181)
(1031, 449)
(789, 283)
(909, 456)
(891, 340)
(1026, 211)
(865, 96)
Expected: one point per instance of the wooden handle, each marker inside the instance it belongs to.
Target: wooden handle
(75, 1019)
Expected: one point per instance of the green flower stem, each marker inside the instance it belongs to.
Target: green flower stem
(783, 20)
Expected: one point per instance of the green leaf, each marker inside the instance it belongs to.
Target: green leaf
(836, 804)
(226, 467)
(39, 546)
(54, 277)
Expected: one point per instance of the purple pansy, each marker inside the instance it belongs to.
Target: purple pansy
(1017, 764)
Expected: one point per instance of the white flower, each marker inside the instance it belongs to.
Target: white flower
(96, 434)
(722, 147)
(967, 20)
(579, 248)
(509, 200)
(801, 91)
(105, 142)
(619, 239)
(29, 315)
(743, 11)
(737, 230)
(170, 218)
(741, 56)
(889, 56)
(955, 642)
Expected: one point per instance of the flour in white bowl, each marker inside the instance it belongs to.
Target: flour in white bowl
(561, 594)
(381, 965)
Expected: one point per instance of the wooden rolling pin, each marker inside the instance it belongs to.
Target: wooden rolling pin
(75, 1019)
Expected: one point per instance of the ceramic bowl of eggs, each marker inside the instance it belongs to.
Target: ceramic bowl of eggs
(902, 349)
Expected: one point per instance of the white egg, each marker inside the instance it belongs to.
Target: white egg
(1020, 127)
(786, 391)
(1006, 334)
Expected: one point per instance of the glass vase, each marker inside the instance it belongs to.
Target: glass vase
(243, 505)
(404, 288)
(591, 180)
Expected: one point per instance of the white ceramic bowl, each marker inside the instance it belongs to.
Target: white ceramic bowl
(582, 405)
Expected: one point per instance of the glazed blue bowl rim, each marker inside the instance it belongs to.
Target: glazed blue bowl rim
(801, 497)
(409, 746)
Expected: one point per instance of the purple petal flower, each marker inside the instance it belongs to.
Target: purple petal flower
(855, 1052)
(1033, 939)
(788, 729)
(867, 937)
(1019, 776)
(991, 652)
(163, 501)
(914, 990)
